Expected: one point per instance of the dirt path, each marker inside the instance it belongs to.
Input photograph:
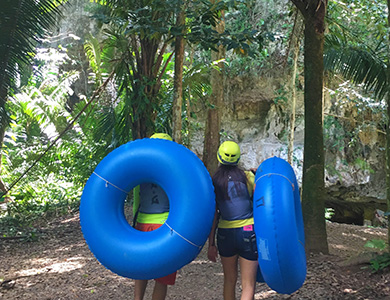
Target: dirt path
(60, 266)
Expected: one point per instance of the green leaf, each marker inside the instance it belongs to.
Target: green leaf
(376, 244)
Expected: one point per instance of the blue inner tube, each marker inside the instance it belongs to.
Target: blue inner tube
(147, 255)
(279, 226)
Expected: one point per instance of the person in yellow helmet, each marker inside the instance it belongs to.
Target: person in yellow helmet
(150, 211)
(236, 241)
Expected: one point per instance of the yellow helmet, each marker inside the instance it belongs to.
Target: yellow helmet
(229, 153)
(163, 136)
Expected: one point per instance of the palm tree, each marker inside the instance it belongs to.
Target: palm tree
(22, 24)
(140, 38)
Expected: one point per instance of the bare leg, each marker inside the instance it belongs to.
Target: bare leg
(139, 289)
(248, 270)
(160, 291)
(230, 272)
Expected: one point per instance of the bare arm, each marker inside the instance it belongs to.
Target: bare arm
(212, 252)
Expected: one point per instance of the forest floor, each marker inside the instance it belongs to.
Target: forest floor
(59, 265)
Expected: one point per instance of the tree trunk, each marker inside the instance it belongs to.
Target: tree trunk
(388, 136)
(3, 188)
(188, 101)
(295, 43)
(313, 185)
(213, 121)
(178, 82)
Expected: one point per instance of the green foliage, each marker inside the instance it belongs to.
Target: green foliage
(281, 94)
(329, 212)
(157, 21)
(376, 244)
(94, 53)
(145, 90)
(270, 26)
(335, 136)
(363, 165)
(42, 199)
(353, 118)
(22, 26)
(196, 91)
(359, 63)
(356, 46)
(358, 20)
(54, 185)
(136, 36)
(382, 260)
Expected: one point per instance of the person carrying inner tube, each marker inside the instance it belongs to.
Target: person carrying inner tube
(236, 239)
(150, 211)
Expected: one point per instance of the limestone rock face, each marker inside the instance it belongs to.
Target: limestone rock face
(259, 122)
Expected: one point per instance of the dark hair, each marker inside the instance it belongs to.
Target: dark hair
(221, 178)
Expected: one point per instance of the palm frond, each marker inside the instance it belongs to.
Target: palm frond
(94, 53)
(197, 80)
(22, 24)
(357, 63)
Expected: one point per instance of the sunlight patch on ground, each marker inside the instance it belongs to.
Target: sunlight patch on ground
(201, 262)
(264, 295)
(349, 291)
(52, 266)
(60, 249)
(341, 247)
(70, 247)
(355, 236)
(374, 231)
(76, 218)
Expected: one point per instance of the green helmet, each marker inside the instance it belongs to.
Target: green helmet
(163, 136)
(229, 153)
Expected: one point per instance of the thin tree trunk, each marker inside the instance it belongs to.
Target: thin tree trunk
(388, 136)
(296, 43)
(188, 101)
(213, 121)
(4, 122)
(178, 82)
(313, 184)
(3, 188)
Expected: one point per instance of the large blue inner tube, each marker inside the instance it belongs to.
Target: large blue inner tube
(279, 226)
(147, 255)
